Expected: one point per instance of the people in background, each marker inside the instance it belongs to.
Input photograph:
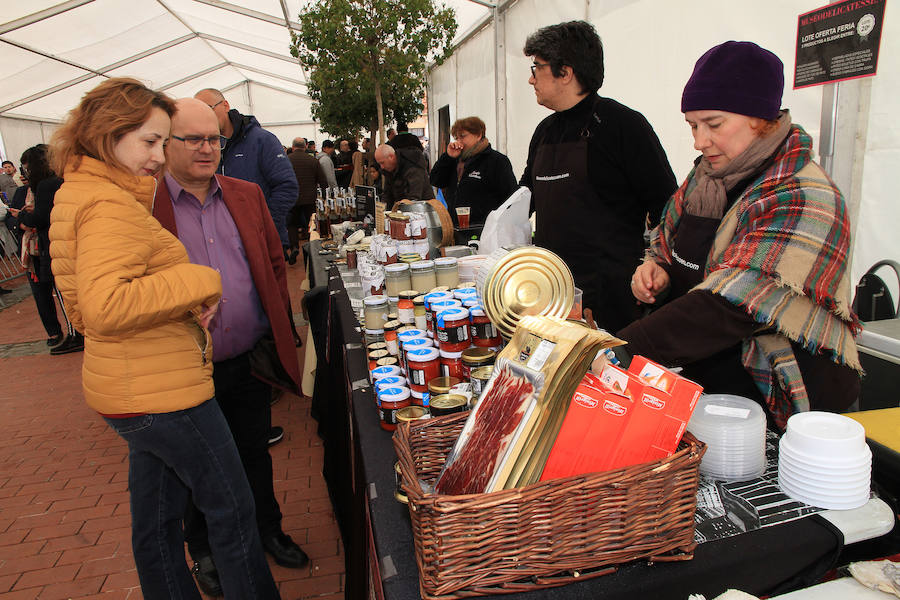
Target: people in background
(596, 170)
(8, 182)
(310, 177)
(328, 163)
(254, 154)
(34, 221)
(144, 310)
(343, 163)
(311, 147)
(750, 263)
(405, 173)
(471, 173)
(201, 207)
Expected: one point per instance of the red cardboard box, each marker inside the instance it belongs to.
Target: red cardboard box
(590, 433)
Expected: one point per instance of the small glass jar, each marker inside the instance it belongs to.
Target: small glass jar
(373, 336)
(421, 248)
(351, 257)
(484, 333)
(422, 276)
(390, 337)
(418, 226)
(415, 343)
(396, 279)
(446, 271)
(406, 308)
(424, 365)
(372, 281)
(399, 226)
(465, 294)
(451, 364)
(375, 311)
(391, 252)
(376, 346)
(452, 329)
(419, 312)
(475, 357)
(479, 378)
(436, 306)
(391, 400)
(392, 381)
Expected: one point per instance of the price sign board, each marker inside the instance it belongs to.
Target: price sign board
(837, 42)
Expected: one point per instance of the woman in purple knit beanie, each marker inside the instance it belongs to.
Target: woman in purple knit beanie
(748, 268)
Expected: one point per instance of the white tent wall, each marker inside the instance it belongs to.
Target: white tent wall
(650, 48)
(19, 134)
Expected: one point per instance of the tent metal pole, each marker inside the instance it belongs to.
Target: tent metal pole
(500, 77)
(828, 125)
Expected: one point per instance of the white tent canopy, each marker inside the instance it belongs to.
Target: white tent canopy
(53, 52)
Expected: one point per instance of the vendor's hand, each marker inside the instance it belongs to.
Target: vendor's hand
(454, 149)
(648, 282)
(14, 211)
(208, 313)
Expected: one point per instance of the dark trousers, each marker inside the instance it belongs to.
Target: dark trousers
(298, 219)
(172, 455)
(46, 306)
(245, 403)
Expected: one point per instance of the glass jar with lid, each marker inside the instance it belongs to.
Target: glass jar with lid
(375, 311)
(422, 277)
(396, 279)
(446, 271)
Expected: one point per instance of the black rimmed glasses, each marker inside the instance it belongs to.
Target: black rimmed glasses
(537, 66)
(195, 142)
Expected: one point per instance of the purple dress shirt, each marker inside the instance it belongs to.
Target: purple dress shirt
(211, 238)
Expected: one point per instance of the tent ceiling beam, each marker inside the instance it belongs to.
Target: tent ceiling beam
(287, 17)
(195, 75)
(250, 13)
(41, 15)
(288, 123)
(47, 92)
(51, 56)
(483, 3)
(268, 74)
(189, 28)
(274, 87)
(248, 48)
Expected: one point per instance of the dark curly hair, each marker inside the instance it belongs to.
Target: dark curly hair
(37, 165)
(574, 44)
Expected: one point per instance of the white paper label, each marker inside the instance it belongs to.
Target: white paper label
(541, 354)
(727, 411)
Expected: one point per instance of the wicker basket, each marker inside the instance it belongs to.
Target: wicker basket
(547, 534)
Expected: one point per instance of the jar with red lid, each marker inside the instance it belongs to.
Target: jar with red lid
(399, 226)
(424, 365)
(451, 364)
(410, 344)
(452, 329)
(484, 333)
(391, 400)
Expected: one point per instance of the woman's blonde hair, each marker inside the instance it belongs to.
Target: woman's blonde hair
(103, 116)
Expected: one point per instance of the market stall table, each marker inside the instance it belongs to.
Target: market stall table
(359, 469)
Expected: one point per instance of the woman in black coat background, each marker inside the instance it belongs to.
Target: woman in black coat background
(473, 174)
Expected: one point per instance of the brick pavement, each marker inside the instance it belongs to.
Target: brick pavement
(64, 512)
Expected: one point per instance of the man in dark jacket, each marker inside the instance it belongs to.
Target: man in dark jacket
(406, 176)
(309, 175)
(596, 170)
(193, 202)
(473, 174)
(253, 154)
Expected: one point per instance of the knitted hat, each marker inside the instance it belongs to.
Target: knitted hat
(737, 77)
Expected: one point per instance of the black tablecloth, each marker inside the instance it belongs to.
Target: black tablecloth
(359, 461)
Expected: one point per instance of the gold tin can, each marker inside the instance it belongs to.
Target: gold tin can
(447, 404)
(399, 496)
(411, 413)
(527, 281)
(479, 378)
(442, 385)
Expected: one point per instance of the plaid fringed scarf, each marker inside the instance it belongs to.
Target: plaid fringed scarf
(781, 253)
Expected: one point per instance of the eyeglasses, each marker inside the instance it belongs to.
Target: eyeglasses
(213, 106)
(195, 142)
(537, 66)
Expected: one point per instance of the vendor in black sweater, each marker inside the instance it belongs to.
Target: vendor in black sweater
(596, 170)
(471, 173)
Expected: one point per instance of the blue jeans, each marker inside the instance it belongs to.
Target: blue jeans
(191, 453)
